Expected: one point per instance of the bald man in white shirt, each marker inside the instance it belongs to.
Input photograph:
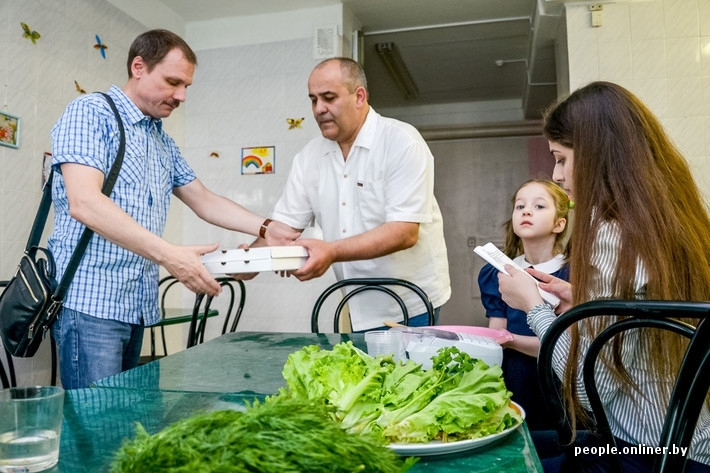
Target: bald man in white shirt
(368, 182)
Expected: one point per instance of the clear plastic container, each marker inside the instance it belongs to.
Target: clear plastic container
(386, 342)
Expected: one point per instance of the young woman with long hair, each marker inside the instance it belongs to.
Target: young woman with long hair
(642, 231)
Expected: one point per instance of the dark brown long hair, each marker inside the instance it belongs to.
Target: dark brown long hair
(627, 172)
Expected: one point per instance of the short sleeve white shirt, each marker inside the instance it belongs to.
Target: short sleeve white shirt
(388, 177)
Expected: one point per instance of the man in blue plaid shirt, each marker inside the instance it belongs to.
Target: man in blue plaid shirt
(114, 293)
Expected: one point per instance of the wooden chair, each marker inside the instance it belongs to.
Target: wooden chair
(233, 312)
(366, 284)
(691, 385)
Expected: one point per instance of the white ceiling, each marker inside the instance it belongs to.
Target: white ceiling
(452, 48)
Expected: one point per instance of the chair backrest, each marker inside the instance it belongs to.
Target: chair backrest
(7, 369)
(691, 385)
(367, 284)
(234, 309)
(168, 287)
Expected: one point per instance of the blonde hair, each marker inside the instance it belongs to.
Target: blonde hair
(513, 243)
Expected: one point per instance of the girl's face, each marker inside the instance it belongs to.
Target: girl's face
(562, 174)
(535, 213)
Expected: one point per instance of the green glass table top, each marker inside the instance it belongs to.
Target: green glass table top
(514, 453)
(225, 373)
(98, 420)
(247, 362)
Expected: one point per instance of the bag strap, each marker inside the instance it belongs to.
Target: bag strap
(42, 212)
(63, 285)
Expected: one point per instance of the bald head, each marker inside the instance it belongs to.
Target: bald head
(338, 91)
(353, 76)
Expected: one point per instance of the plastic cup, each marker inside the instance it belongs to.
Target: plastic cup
(30, 425)
(385, 342)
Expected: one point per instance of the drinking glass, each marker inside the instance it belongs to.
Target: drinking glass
(30, 425)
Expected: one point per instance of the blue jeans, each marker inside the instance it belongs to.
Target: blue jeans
(421, 320)
(91, 348)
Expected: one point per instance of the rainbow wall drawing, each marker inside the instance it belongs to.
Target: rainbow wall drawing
(258, 160)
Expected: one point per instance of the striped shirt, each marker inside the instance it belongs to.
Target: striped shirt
(635, 419)
(112, 282)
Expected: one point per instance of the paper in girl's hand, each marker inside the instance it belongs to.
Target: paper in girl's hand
(498, 259)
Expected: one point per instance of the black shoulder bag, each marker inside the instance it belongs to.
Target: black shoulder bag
(30, 303)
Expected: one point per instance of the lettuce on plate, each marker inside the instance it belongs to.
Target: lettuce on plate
(459, 398)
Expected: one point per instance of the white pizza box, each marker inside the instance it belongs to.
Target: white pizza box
(254, 260)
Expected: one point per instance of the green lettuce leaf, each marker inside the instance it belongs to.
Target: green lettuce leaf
(459, 398)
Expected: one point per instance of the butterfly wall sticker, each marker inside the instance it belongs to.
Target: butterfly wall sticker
(101, 47)
(29, 33)
(79, 88)
(294, 122)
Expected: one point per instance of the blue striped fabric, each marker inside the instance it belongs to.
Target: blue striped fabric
(111, 282)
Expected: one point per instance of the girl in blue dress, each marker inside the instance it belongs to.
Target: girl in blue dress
(535, 236)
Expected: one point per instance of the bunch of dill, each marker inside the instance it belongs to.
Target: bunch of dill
(281, 436)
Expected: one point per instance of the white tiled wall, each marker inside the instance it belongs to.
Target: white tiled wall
(36, 83)
(660, 50)
(241, 97)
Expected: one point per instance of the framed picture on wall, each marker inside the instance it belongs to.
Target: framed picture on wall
(9, 130)
(260, 160)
